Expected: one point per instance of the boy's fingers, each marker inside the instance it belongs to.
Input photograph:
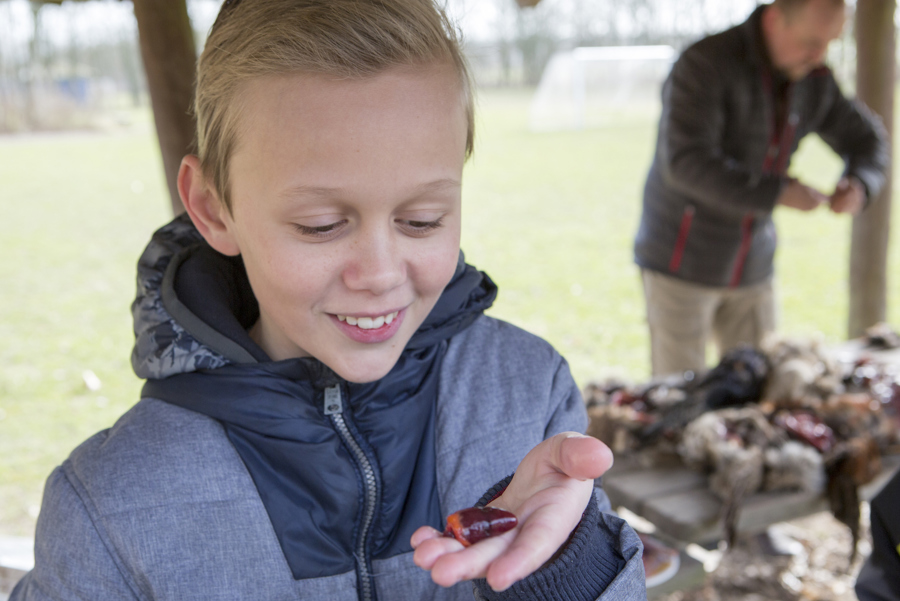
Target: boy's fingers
(429, 551)
(471, 562)
(538, 541)
(422, 534)
(582, 457)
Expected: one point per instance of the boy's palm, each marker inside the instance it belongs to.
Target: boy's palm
(548, 494)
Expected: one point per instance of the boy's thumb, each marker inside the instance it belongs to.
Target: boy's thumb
(584, 457)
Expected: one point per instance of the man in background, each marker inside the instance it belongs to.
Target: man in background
(735, 108)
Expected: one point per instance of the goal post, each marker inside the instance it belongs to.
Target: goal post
(598, 86)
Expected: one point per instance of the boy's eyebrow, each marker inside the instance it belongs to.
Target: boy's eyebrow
(302, 190)
(438, 185)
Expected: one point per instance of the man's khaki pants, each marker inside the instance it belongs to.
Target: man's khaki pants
(683, 317)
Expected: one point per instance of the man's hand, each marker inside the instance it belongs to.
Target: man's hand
(800, 196)
(849, 196)
(549, 492)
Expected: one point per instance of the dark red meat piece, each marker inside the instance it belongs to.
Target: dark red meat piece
(471, 525)
(808, 428)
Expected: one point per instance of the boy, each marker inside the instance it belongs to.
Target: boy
(323, 387)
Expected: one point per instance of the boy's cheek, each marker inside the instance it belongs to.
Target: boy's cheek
(445, 267)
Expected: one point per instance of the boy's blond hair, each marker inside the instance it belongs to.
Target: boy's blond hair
(339, 38)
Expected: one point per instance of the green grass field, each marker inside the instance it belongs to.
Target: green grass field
(549, 216)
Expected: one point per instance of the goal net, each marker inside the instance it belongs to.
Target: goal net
(600, 86)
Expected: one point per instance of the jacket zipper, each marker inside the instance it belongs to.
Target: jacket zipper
(780, 140)
(334, 409)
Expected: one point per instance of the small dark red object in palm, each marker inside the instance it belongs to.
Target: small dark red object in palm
(471, 525)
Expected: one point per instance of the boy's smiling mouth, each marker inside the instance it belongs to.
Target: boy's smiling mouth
(370, 329)
(369, 323)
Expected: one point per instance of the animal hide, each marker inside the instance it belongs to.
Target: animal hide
(783, 417)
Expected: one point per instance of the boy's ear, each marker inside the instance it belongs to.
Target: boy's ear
(209, 214)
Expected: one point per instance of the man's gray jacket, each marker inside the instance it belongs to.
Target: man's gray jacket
(721, 157)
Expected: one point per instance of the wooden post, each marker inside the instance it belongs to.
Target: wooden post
(32, 120)
(875, 63)
(167, 48)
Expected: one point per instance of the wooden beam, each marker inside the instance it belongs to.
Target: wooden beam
(875, 63)
(167, 48)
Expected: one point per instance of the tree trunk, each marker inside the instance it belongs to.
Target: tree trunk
(167, 48)
(875, 44)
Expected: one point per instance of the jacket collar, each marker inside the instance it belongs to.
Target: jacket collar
(755, 41)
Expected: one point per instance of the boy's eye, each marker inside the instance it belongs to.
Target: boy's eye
(320, 231)
(419, 228)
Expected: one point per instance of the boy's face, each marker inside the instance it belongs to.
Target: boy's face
(346, 210)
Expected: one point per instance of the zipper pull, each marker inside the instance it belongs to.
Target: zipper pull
(333, 402)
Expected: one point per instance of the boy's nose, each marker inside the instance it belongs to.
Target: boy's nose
(375, 266)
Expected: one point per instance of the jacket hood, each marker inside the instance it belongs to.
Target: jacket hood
(194, 306)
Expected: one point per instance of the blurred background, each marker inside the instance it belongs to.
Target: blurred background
(566, 116)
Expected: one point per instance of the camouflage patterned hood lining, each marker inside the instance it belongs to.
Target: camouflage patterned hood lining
(163, 347)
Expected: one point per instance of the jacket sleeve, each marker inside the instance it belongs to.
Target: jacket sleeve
(858, 136)
(602, 559)
(690, 153)
(879, 578)
(872, 584)
(71, 560)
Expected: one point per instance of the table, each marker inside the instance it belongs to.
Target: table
(677, 500)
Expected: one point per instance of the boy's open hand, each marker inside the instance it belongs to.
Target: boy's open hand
(548, 494)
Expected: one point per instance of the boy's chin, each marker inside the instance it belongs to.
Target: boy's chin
(362, 370)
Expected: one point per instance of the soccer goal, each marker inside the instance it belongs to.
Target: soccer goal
(600, 86)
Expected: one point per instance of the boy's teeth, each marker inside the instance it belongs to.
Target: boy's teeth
(369, 323)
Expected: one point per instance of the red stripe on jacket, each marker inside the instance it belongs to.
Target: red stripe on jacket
(681, 241)
(746, 239)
